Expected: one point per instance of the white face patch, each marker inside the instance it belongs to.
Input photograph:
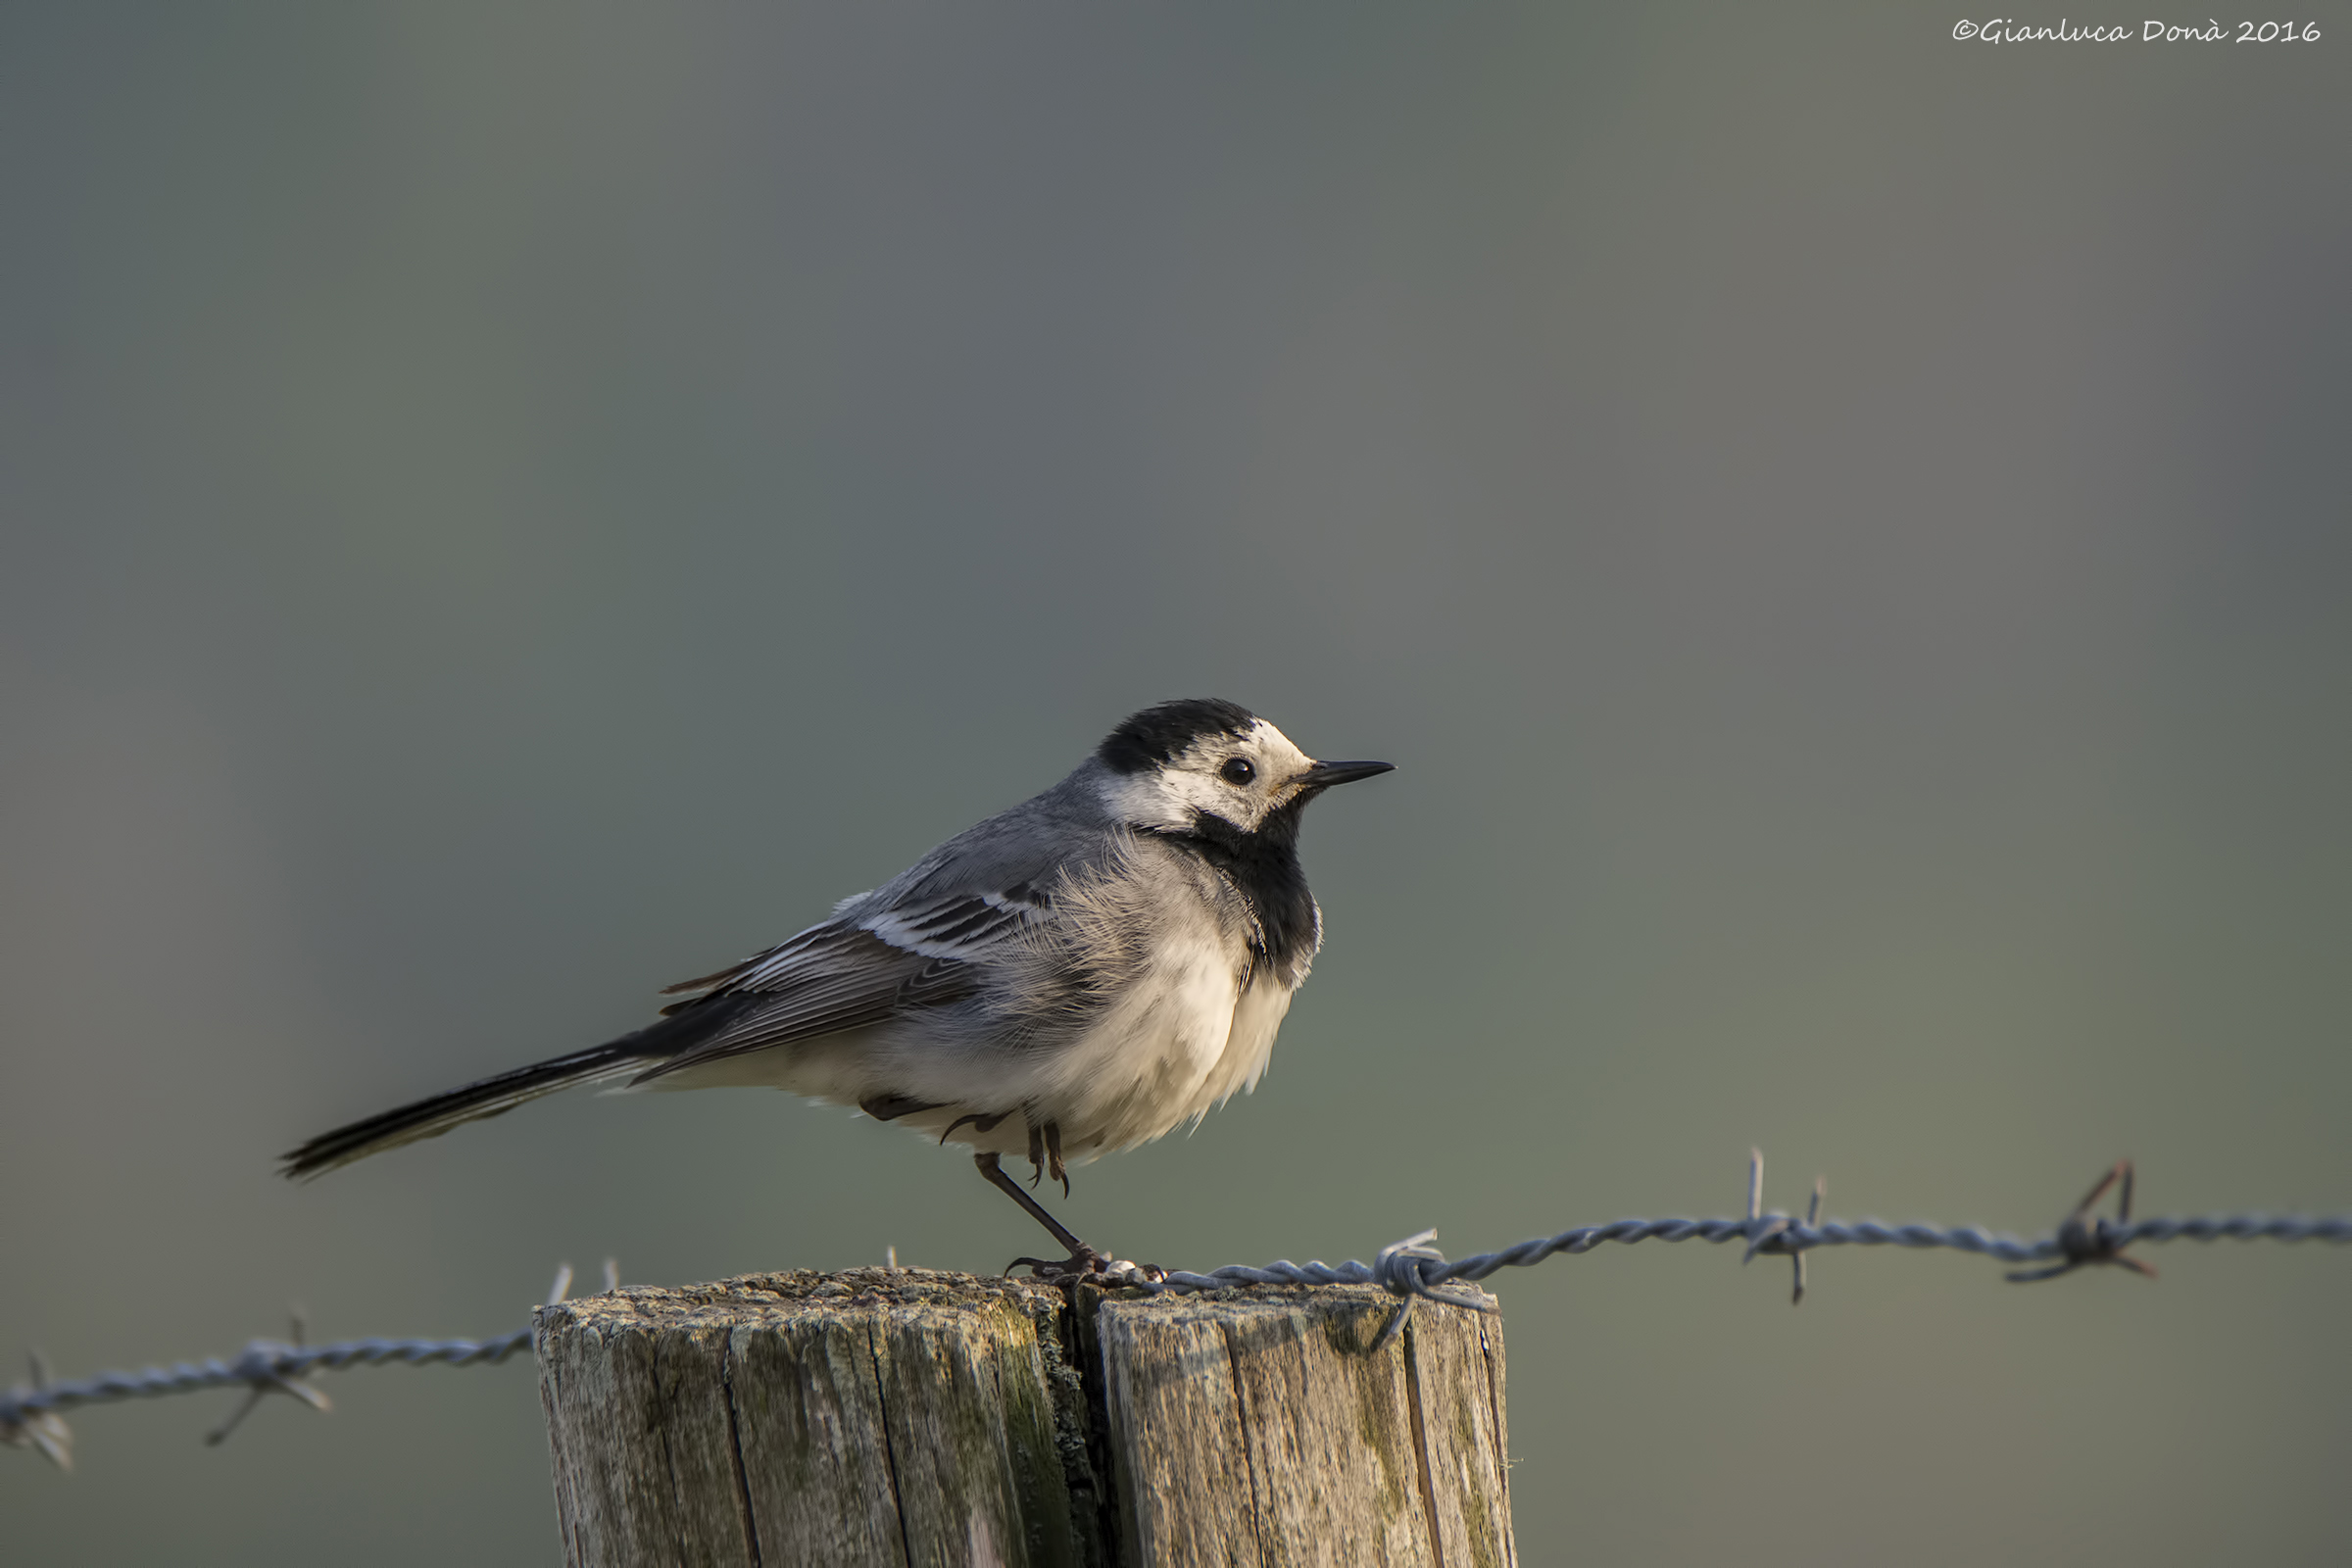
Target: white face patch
(1238, 778)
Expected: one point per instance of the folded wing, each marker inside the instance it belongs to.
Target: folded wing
(853, 973)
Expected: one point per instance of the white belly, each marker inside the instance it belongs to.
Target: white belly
(1170, 1050)
(1177, 1043)
(1180, 1039)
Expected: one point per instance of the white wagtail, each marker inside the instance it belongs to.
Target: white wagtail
(1073, 976)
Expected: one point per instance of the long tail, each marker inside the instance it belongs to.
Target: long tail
(492, 1097)
(685, 1025)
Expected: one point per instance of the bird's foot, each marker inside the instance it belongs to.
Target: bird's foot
(1085, 1266)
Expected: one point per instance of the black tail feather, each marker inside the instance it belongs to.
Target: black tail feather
(492, 1097)
(631, 1054)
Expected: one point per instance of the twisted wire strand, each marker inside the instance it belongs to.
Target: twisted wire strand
(1796, 1236)
(30, 1416)
(261, 1361)
(1411, 1270)
(1414, 1268)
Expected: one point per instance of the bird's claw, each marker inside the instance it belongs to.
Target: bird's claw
(1084, 1264)
(1088, 1267)
(1044, 1154)
(1053, 1166)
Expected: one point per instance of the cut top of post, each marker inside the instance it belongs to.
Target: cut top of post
(907, 1416)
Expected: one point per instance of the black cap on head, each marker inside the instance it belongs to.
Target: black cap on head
(1158, 734)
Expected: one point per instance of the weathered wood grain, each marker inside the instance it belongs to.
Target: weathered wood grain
(1257, 1427)
(915, 1418)
(874, 1417)
(1455, 1361)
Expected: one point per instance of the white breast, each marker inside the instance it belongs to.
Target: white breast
(1147, 1061)
(1257, 1015)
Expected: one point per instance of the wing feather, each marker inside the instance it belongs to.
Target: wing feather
(855, 972)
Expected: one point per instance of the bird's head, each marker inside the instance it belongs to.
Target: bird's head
(1169, 766)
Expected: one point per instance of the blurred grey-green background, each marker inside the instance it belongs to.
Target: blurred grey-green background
(1843, 531)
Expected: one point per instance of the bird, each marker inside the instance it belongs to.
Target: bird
(1074, 976)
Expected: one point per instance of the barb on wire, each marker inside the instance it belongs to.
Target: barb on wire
(1763, 1228)
(2084, 1240)
(1413, 1267)
(29, 1415)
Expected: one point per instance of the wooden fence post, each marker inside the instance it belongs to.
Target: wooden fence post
(911, 1417)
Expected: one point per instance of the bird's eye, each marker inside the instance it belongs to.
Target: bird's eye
(1237, 770)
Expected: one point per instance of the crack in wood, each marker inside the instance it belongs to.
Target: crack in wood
(1491, 1352)
(743, 1478)
(1429, 1493)
(1241, 1418)
(890, 1459)
(1092, 1468)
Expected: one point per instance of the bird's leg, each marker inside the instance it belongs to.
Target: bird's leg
(1037, 1151)
(1083, 1259)
(1053, 1166)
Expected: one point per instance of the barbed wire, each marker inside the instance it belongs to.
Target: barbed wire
(1412, 1270)
(29, 1415)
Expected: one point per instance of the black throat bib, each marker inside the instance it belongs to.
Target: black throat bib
(1263, 866)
